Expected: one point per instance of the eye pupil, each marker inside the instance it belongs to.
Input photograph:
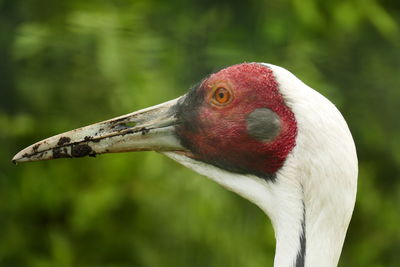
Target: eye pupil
(221, 96)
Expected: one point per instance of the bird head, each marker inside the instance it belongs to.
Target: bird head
(236, 119)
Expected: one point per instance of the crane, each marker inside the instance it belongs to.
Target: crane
(257, 130)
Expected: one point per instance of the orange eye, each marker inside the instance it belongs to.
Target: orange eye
(221, 96)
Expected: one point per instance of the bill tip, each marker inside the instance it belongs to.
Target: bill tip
(15, 159)
(19, 157)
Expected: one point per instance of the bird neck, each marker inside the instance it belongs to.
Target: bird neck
(308, 232)
(288, 217)
(319, 177)
(309, 219)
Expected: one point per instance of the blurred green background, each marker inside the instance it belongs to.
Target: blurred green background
(68, 63)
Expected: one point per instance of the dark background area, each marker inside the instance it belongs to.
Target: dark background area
(68, 63)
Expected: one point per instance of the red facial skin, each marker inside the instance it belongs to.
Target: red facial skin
(217, 133)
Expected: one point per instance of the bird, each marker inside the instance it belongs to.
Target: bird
(257, 130)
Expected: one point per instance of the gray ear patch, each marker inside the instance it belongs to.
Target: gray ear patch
(263, 124)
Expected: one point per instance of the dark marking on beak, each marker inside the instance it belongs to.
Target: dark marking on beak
(91, 138)
(60, 153)
(35, 148)
(128, 132)
(144, 130)
(63, 140)
(81, 150)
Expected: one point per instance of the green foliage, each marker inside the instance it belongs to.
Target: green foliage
(69, 63)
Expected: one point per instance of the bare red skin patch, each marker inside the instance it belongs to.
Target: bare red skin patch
(218, 134)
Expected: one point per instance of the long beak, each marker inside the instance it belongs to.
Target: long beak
(152, 128)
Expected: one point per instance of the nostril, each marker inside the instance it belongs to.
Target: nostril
(130, 124)
(123, 126)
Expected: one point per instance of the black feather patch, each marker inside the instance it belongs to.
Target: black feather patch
(301, 255)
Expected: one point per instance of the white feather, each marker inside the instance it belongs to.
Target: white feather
(325, 163)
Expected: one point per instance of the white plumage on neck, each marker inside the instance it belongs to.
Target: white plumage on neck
(319, 177)
(324, 161)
